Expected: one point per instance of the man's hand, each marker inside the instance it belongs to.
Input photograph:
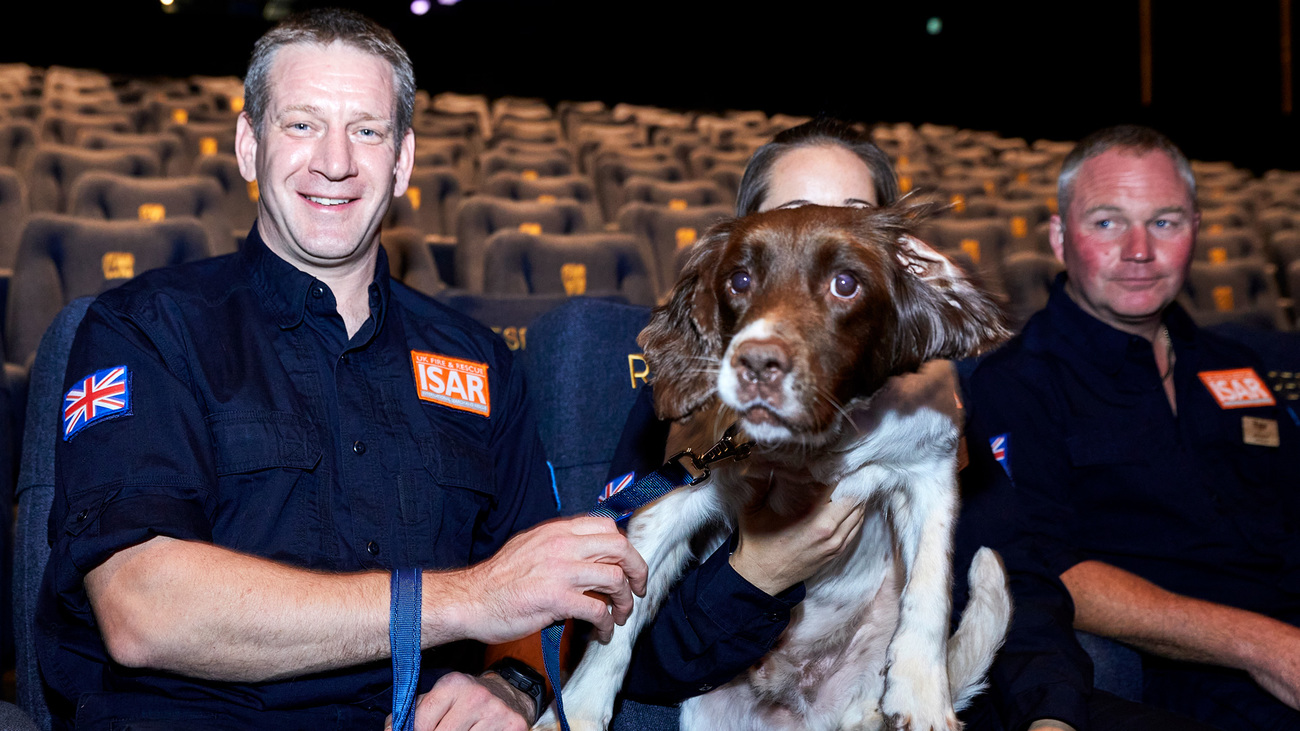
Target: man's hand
(1275, 663)
(776, 551)
(582, 568)
(484, 703)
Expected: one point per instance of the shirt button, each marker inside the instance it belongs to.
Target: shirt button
(706, 688)
(317, 291)
(82, 515)
(372, 548)
(359, 447)
(774, 616)
(343, 358)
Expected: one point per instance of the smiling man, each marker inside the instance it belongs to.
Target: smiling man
(274, 432)
(1163, 499)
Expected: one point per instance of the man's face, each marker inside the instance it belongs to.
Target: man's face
(1127, 238)
(326, 164)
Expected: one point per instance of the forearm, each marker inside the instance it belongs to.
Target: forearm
(213, 613)
(1115, 603)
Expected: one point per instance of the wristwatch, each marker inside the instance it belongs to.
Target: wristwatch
(523, 677)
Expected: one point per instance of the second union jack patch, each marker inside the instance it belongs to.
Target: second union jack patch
(101, 395)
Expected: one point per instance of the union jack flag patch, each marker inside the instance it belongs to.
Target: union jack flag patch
(1001, 446)
(96, 397)
(616, 485)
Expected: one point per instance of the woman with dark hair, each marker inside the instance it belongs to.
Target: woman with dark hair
(824, 156)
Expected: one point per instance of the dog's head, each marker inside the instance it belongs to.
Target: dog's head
(790, 315)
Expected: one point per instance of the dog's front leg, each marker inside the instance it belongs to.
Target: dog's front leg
(917, 697)
(661, 532)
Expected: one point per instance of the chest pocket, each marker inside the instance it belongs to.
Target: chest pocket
(443, 503)
(249, 442)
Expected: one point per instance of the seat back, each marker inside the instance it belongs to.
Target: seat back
(1237, 290)
(165, 145)
(482, 216)
(35, 494)
(516, 262)
(410, 260)
(112, 197)
(584, 371)
(13, 215)
(61, 258)
(429, 203)
(675, 194)
(51, 171)
(17, 137)
(508, 315)
(516, 187)
(665, 231)
(238, 196)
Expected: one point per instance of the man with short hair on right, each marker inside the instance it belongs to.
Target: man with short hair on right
(1153, 468)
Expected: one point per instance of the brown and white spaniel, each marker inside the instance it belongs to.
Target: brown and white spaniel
(794, 322)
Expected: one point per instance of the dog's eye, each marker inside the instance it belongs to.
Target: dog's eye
(844, 286)
(740, 282)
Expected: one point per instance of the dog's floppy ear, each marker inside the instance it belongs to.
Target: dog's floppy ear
(942, 314)
(683, 343)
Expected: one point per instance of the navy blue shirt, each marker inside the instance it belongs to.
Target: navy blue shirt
(255, 423)
(1106, 471)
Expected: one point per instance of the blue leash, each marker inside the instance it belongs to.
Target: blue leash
(683, 468)
(404, 638)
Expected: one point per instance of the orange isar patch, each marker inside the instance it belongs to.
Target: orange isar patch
(452, 382)
(1237, 388)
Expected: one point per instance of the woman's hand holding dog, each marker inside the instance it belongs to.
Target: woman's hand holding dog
(777, 550)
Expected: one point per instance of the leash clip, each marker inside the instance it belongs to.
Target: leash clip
(697, 466)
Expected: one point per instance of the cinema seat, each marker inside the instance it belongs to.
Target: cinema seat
(200, 140)
(410, 261)
(429, 203)
(508, 315)
(165, 145)
(664, 231)
(13, 215)
(613, 170)
(517, 187)
(481, 216)
(61, 258)
(238, 196)
(982, 239)
(574, 264)
(1028, 278)
(584, 374)
(675, 194)
(35, 494)
(1240, 290)
(530, 164)
(51, 171)
(111, 197)
(17, 136)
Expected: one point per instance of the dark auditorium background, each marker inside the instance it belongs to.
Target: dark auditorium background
(1042, 69)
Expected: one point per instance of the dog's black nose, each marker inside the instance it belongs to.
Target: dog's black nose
(762, 362)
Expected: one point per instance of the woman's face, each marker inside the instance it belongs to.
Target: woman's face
(824, 175)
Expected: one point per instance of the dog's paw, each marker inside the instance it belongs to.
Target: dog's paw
(909, 710)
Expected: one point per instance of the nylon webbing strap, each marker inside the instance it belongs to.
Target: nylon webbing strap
(620, 507)
(404, 638)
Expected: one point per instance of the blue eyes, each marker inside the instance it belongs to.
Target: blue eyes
(740, 282)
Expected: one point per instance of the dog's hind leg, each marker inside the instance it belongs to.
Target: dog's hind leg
(917, 696)
(662, 533)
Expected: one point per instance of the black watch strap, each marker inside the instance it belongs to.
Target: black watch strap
(526, 679)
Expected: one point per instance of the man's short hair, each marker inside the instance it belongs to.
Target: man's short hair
(1129, 137)
(324, 26)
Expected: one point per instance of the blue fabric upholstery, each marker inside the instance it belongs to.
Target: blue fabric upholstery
(581, 361)
(35, 493)
(1116, 668)
(581, 358)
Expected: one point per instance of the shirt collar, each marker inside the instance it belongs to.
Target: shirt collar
(1100, 344)
(285, 288)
